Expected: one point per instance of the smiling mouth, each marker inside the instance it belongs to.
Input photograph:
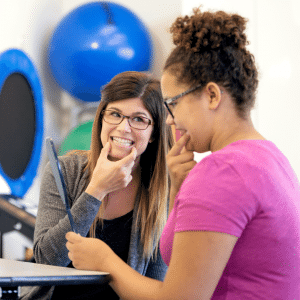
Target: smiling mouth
(122, 142)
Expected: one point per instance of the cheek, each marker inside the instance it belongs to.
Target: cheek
(200, 140)
(143, 141)
(104, 136)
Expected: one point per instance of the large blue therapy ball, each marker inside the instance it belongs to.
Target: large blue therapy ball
(95, 42)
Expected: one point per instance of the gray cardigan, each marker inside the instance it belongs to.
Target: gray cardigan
(52, 224)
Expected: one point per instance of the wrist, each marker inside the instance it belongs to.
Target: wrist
(109, 262)
(95, 192)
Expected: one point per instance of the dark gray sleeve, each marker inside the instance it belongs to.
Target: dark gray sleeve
(157, 268)
(52, 222)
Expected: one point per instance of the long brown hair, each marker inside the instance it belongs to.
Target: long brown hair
(154, 189)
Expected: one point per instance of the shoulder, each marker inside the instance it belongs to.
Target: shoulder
(225, 178)
(73, 162)
(243, 159)
(217, 195)
(73, 168)
(215, 168)
(74, 173)
(234, 176)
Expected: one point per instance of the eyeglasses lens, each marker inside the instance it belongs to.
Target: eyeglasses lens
(115, 118)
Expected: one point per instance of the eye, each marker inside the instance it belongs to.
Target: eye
(139, 120)
(115, 114)
(173, 104)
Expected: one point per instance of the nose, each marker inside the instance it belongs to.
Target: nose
(124, 125)
(170, 120)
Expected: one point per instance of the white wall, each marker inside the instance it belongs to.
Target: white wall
(278, 41)
(274, 32)
(28, 25)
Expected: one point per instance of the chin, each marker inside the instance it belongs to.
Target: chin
(189, 146)
(200, 149)
(117, 155)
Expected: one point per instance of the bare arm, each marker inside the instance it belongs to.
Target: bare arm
(197, 262)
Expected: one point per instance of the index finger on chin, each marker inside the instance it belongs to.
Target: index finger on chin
(130, 158)
(179, 145)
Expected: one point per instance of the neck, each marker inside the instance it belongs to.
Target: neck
(122, 201)
(239, 130)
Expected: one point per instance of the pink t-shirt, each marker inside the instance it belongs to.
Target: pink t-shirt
(249, 190)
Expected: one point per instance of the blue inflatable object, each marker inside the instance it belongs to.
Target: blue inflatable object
(95, 42)
(21, 121)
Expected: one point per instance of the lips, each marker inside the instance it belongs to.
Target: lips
(181, 132)
(122, 141)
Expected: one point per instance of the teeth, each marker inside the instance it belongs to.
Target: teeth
(122, 141)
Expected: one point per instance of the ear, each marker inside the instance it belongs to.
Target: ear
(214, 94)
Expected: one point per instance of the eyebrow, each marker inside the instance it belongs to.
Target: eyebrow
(134, 114)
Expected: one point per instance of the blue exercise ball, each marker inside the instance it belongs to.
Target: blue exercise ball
(95, 42)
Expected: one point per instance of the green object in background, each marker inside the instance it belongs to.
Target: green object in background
(78, 139)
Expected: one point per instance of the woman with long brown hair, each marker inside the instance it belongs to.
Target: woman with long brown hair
(118, 190)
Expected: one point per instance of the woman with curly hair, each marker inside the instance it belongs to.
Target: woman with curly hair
(234, 227)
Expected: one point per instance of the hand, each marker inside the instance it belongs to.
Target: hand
(109, 176)
(180, 162)
(88, 253)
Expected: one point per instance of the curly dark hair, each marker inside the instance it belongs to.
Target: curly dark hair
(211, 47)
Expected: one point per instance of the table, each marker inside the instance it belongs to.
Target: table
(14, 274)
(15, 218)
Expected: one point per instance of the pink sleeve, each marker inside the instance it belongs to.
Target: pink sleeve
(214, 197)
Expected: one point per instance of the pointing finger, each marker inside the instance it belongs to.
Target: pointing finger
(127, 160)
(105, 150)
(179, 145)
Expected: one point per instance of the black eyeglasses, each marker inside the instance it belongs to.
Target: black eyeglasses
(114, 117)
(169, 102)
